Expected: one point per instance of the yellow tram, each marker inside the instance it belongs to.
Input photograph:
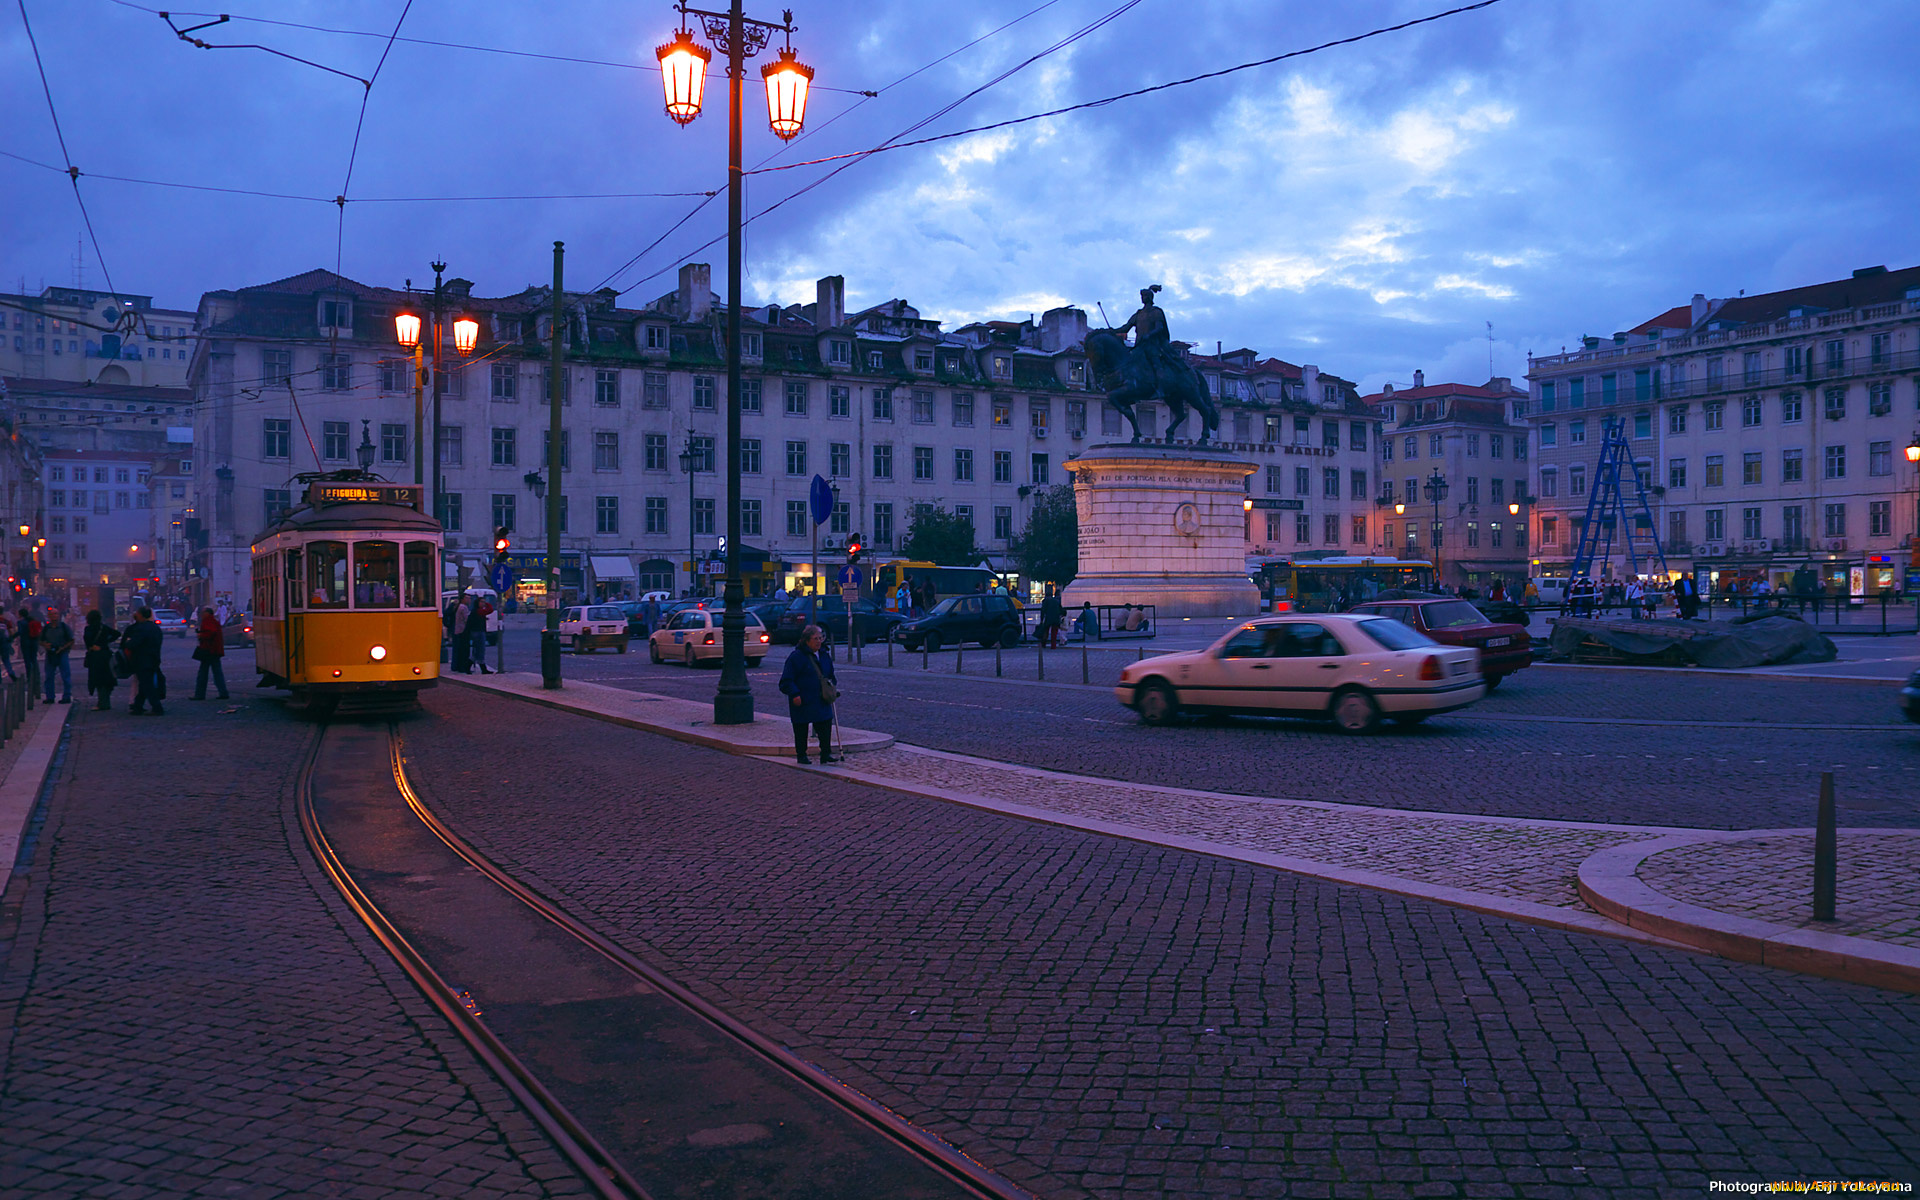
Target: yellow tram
(346, 591)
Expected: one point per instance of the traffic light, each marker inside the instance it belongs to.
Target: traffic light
(854, 548)
(501, 543)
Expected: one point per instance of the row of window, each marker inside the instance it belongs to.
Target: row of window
(1793, 469)
(1330, 526)
(1276, 478)
(1496, 534)
(1496, 490)
(58, 473)
(1791, 406)
(97, 501)
(656, 515)
(1792, 525)
(1647, 381)
(1436, 446)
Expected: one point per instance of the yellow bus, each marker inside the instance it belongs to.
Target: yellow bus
(1335, 583)
(883, 580)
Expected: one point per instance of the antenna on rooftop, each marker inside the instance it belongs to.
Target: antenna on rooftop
(1489, 349)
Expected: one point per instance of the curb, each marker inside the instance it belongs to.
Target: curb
(1610, 884)
(21, 788)
(853, 741)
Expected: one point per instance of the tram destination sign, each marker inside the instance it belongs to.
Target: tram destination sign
(406, 495)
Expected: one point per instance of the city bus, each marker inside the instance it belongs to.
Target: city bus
(1335, 583)
(885, 580)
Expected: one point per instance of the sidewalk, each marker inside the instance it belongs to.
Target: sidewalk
(1561, 874)
(23, 770)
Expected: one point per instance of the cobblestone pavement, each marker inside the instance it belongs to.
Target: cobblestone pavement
(1627, 747)
(1099, 1014)
(1771, 879)
(189, 1010)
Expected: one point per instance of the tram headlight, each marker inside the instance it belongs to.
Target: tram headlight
(378, 653)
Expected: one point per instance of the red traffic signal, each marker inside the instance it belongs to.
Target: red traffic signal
(853, 551)
(500, 540)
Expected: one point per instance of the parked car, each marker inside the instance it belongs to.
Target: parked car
(1504, 647)
(172, 623)
(986, 619)
(871, 623)
(588, 627)
(1910, 698)
(238, 631)
(694, 634)
(1353, 668)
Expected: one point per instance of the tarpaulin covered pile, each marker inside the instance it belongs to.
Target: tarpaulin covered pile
(1765, 641)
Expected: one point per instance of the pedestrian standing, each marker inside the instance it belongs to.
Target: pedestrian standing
(97, 641)
(457, 635)
(809, 684)
(477, 636)
(143, 642)
(29, 637)
(6, 646)
(212, 648)
(1053, 615)
(56, 646)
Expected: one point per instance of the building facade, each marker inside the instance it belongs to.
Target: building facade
(1770, 433)
(99, 525)
(1466, 437)
(297, 375)
(76, 335)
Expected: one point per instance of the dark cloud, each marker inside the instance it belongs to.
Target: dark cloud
(1553, 168)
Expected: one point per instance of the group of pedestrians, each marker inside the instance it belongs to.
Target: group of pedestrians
(46, 641)
(465, 620)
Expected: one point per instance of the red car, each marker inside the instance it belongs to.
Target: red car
(1503, 649)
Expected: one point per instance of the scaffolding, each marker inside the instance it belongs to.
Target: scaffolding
(1609, 514)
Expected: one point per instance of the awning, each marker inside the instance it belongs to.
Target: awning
(608, 567)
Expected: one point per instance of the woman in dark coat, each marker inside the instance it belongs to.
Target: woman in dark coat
(809, 667)
(98, 638)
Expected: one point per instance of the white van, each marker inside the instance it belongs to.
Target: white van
(1552, 588)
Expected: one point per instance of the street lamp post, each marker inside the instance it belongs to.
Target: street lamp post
(688, 461)
(1436, 486)
(407, 328)
(683, 70)
(365, 450)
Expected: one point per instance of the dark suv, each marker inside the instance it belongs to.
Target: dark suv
(871, 623)
(989, 620)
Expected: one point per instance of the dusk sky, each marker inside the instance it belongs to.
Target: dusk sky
(1553, 168)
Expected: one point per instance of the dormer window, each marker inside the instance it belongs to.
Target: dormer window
(1076, 372)
(923, 360)
(953, 364)
(840, 352)
(795, 353)
(656, 336)
(750, 344)
(873, 360)
(1002, 367)
(336, 314)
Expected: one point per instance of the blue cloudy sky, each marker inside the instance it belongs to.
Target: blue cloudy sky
(1555, 168)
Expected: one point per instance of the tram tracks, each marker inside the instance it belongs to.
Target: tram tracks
(644, 1086)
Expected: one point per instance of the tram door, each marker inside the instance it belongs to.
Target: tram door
(293, 631)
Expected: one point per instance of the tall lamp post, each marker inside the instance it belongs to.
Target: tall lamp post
(1913, 547)
(1436, 486)
(683, 71)
(407, 328)
(689, 460)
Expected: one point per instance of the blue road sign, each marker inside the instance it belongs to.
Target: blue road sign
(820, 500)
(502, 578)
(850, 576)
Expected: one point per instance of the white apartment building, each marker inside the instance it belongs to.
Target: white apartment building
(77, 335)
(296, 375)
(1770, 431)
(1468, 436)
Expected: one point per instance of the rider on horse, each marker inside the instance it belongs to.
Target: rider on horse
(1151, 339)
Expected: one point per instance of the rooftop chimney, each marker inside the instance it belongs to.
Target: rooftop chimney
(1062, 328)
(696, 291)
(830, 302)
(1699, 307)
(1419, 379)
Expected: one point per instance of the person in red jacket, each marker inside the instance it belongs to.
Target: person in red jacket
(212, 648)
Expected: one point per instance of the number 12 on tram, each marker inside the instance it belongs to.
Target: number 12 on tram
(346, 591)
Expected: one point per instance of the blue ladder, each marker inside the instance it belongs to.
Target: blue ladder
(1608, 511)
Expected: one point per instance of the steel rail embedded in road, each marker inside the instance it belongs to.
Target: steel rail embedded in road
(608, 1179)
(923, 1144)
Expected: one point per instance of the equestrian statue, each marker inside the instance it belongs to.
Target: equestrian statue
(1149, 369)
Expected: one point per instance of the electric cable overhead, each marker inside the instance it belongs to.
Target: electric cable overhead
(72, 172)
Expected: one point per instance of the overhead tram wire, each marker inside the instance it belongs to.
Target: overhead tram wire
(1057, 46)
(561, 58)
(1145, 91)
(784, 147)
(72, 172)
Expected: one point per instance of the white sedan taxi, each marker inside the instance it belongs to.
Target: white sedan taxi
(693, 634)
(591, 626)
(1353, 669)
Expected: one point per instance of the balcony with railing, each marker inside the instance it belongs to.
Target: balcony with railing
(1719, 337)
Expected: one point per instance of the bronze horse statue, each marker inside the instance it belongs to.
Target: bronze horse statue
(1130, 379)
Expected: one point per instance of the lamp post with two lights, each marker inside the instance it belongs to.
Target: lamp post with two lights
(1436, 486)
(683, 71)
(407, 327)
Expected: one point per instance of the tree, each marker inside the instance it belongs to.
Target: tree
(941, 537)
(1049, 548)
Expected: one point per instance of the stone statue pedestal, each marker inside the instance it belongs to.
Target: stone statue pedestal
(1162, 525)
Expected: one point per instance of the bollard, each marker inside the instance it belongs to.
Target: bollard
(1084, 676)
(926, 660)
(1825, 852)
(1140, 655)
(996, 660)
(1040, 658)
(959, 659)
(889, 651)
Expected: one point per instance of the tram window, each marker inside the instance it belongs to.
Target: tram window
(420, 575)
(326, 574)
(376, 575)
(295, 577)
